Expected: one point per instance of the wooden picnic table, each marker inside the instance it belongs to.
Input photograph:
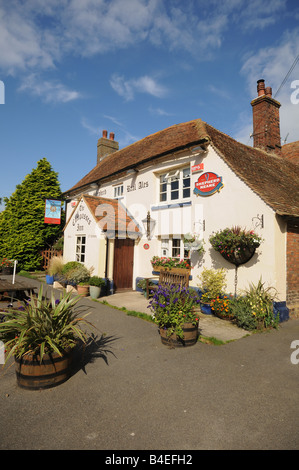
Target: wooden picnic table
(19, 288)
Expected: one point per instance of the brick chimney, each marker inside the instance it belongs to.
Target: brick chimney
(266, 123)
(106, 146)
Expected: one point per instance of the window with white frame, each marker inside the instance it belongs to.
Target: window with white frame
(118, 190)
(174, 248)
(80, 248)
(175, 185)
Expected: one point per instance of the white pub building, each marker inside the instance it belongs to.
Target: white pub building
(140, 201)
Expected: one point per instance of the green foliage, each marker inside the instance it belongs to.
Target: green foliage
(96, 281)
(233, 239)
(254, 309)
(172, 306)
(163, 262)
(212, 283)
(23, 233)
(75, 272)
(42, 326)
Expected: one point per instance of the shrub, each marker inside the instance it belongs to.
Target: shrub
(213, 283)
(96, 281)
(255, 308)
(75, 272)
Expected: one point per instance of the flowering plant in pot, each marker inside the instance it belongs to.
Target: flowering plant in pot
(173, 308)
(169, 263)
(41, 334)
(6, 266)
(194, 243)
(235, 244)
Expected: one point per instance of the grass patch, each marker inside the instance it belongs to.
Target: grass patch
(212, 340)
(130, 313)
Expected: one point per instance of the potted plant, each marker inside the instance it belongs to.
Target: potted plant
(174, 312)
(221, 307)
(54, 271)
(96, 285)
(41, 335)
(142, 285)
(76, 274)
(193, 243)
(159, 263)
(236, 245)
(212, 285)
(6, 266)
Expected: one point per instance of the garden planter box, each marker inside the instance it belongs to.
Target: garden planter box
(173, 270)
(189, 338)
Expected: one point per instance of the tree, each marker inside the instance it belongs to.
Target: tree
(23, 233)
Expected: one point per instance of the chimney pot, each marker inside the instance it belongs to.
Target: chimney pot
(105, 134)
(111, 136)
(261, 87)
(268, 91)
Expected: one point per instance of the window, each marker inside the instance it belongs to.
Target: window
(118, 190)
(80, 248)
(174, 248)
(175, 185)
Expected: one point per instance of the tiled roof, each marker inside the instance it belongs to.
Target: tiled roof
(275, 179)
(114, 218)
(291, 151)
(161, 143)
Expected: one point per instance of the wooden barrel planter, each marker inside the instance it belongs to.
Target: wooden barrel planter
(190, 335)
(52, 371)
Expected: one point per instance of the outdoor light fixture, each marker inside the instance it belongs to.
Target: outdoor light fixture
(132, 171)
(148, 224)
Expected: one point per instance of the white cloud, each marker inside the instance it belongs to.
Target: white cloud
(128, 88)
(49, 91)
(273, 64)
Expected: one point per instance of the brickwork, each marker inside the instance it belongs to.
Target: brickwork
(266, 127)
(293, 267)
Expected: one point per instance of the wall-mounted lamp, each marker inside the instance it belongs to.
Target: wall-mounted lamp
(148, 224)
(94, 186)
(132, 171)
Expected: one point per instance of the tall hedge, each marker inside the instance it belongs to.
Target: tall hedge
(23, 233)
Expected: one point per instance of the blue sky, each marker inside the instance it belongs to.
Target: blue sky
(72, 68)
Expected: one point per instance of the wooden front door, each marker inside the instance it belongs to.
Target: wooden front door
(123, 263)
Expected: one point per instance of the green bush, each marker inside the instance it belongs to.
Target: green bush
(213, 283)
(242, 314)
(96, 281)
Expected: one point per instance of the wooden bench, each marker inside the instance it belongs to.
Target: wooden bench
(177, 277)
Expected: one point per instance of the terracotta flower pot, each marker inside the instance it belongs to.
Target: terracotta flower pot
(83, 290)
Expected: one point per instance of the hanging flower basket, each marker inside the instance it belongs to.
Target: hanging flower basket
(193, 243)
(236, 245)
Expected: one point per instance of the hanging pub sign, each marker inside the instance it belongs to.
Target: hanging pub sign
(52, 211)
(207, 184)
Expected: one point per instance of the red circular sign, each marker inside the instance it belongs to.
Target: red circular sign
(146, 246)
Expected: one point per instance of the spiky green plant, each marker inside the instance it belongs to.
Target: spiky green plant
(43, 326)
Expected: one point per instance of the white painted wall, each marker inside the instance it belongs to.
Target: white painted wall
(235, 204)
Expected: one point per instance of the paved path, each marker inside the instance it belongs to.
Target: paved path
(132, 392)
